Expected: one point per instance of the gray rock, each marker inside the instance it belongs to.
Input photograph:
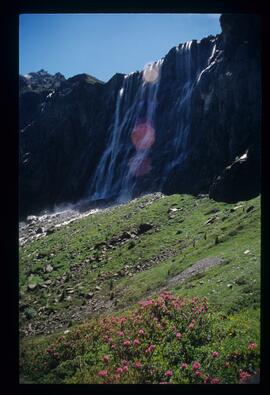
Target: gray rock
(31, 218)
(172, 210)
(145, 227)
(39, 230)
(32, 286)
(48, 268)
(210, 221)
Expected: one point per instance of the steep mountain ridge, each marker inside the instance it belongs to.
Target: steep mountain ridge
(177, 126)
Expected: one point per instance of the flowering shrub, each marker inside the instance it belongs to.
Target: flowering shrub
(165, 340)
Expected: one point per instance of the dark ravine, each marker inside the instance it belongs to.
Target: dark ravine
(201, 119)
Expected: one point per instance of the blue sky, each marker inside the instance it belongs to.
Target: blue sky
(104, 44)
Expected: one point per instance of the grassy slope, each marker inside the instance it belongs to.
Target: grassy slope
(181, 241)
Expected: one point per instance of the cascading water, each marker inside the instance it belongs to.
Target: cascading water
(127, 157)
(102, 181)
(183, 105)
(183, 108)
(117, 172)
(143, 133)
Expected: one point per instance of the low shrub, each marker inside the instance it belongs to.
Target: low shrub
(165, 340)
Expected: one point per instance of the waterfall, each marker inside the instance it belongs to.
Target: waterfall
(114, 176)
(132, 133)
(102, 181)
(190, 74)
(144, 129)
(183, 104)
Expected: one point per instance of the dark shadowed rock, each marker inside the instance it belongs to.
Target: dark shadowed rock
(39, 230)
(144, 228)
(238, 181)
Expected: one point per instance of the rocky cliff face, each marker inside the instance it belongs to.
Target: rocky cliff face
(188, 123)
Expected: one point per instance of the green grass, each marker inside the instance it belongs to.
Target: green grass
(176, 241)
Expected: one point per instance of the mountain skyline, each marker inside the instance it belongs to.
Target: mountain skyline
(104, 44)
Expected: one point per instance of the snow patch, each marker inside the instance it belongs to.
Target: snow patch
(50, 94)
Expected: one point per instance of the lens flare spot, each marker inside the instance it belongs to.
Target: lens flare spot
(143, 136)
(150, 73)
(139, 166)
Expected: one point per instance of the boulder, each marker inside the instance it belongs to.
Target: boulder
(32, 286)
(39, 230)
(145, 227)
(48, 268)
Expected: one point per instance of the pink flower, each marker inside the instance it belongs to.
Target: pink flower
(178, 335)
(145, 303)
(184, 365)
(113, 346)
(138, 365)
(106, 358)
(169, 373)
(103, 373)
(121, 333)
(150, 348)
(119, 370)
(196, 365)
(127, 343)
(166, 295)
(243, 375)
(215, 354)
(252, 346)
(136, 342)
(141, 332)
(207, 380)
(125, 368)
(198, 373)
(215, 381)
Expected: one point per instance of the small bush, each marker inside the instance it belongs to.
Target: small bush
(164, 340)
(30, 313)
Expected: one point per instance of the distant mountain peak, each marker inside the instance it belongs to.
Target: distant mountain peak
(86, 78)
(40, 80)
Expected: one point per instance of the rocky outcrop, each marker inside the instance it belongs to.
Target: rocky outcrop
(61, 146)
(238, 181)
(81, 138)
(225, 120)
